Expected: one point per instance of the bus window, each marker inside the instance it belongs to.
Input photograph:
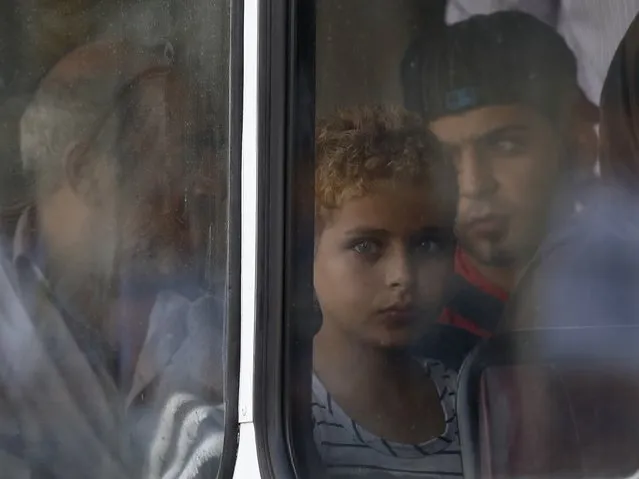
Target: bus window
(462, 290)
(119, 149)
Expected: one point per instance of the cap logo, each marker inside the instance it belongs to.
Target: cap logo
(461, 99)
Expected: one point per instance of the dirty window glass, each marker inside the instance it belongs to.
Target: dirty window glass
(114, 205)
(476, 238)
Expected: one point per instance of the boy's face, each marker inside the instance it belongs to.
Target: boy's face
(508, 160)
(381, 264)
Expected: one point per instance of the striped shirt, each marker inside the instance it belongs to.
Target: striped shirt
(188, 440)
(347, 449)
(476, 305)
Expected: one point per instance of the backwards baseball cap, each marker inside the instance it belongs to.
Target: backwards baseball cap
(498, 59)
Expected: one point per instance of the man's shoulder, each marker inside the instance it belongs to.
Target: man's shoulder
(584, 272)
(197, 364)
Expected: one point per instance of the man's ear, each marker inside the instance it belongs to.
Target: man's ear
(75, 165)
(583, 121)
(83, 172)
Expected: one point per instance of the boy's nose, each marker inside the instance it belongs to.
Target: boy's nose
(399, 272)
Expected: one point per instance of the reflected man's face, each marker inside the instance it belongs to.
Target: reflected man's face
(170, 195)
(508, 161)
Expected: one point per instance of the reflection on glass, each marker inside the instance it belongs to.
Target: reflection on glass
(113, 285)
(558, 420)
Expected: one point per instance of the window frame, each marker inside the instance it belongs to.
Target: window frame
(234, 231)
(285, 323)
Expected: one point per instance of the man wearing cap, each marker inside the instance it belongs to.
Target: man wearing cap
(501, 93)
(111, 321)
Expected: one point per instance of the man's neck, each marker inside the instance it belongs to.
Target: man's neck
(119, 322)
(501, 276)
(126, 327)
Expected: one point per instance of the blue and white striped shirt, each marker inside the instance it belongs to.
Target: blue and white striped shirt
(347, 449)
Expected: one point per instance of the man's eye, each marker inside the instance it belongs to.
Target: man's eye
(366, 247)
(508, 146)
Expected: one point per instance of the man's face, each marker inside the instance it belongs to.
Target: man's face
(142, 213)
(168, 200)
(381, 265)
(508, 161)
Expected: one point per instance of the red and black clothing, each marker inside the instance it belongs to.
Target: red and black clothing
(476, 305)
(472, 313)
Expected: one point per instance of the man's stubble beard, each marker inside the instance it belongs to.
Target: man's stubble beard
(491, 254)
(502, 256)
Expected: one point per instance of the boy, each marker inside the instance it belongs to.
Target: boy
(384, 250)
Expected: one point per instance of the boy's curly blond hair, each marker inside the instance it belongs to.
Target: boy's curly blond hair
(361, 146)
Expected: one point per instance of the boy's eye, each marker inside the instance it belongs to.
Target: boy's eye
(366, 247)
